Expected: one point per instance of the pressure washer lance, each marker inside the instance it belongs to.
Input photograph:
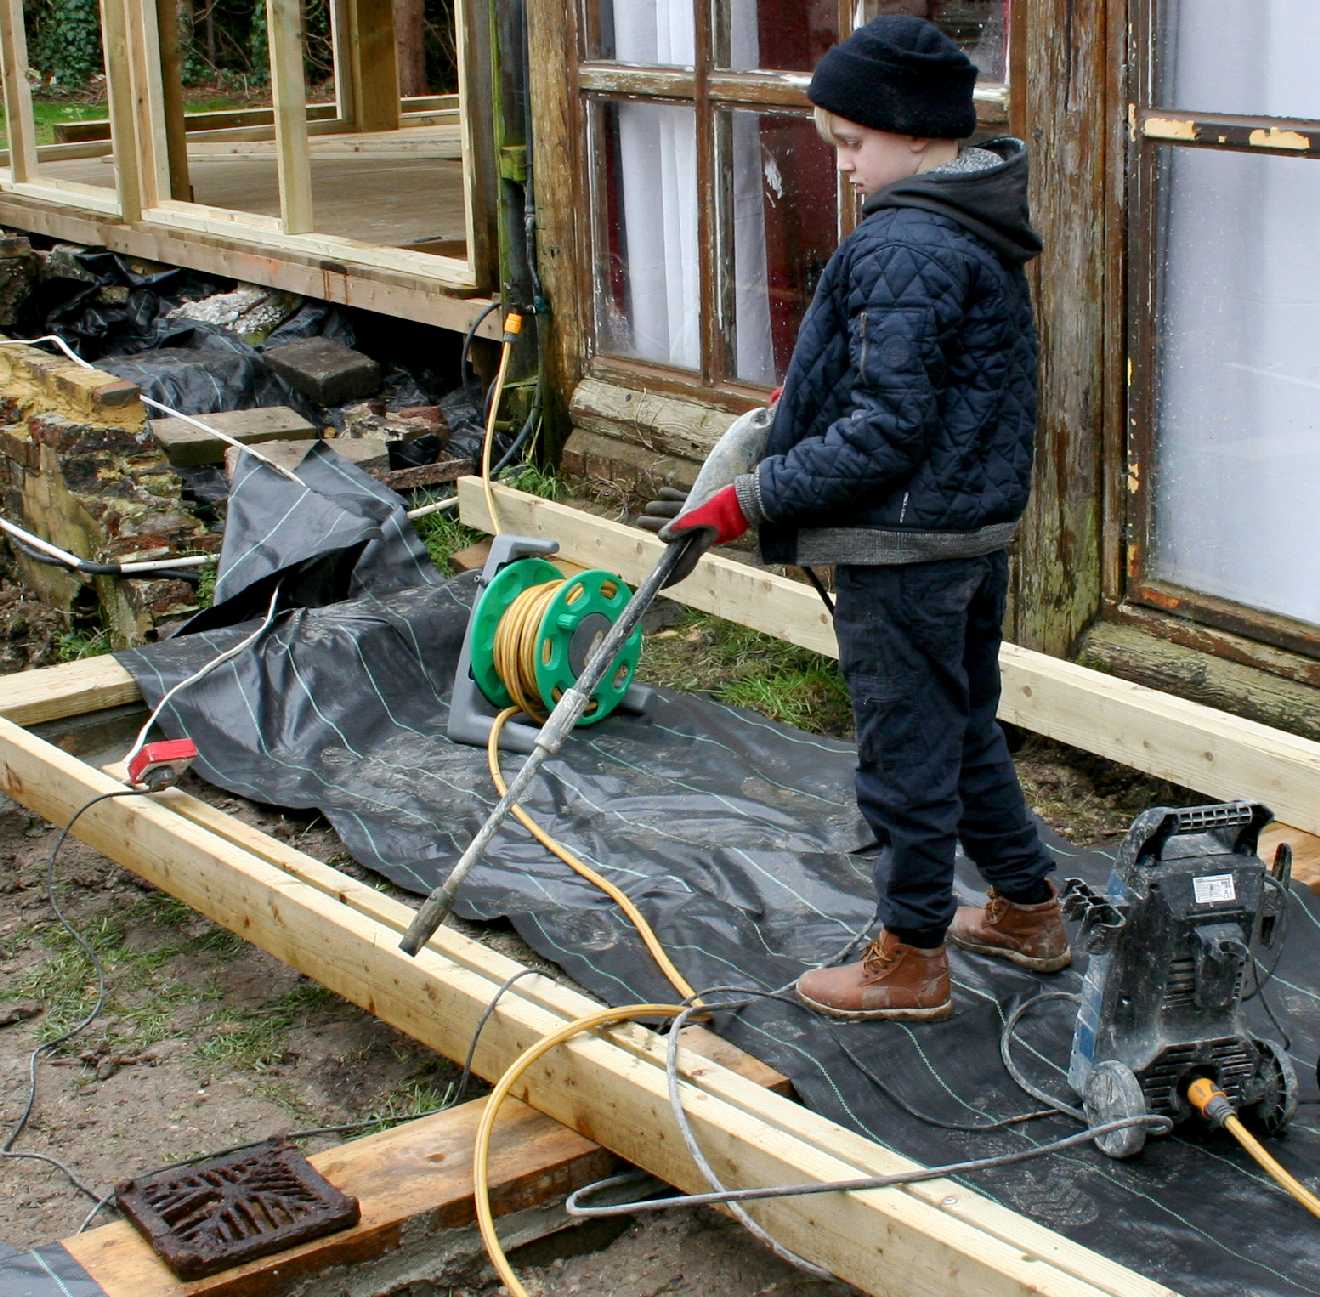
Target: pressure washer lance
(566, 714)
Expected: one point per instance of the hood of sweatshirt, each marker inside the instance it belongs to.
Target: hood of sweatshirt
(989, 201)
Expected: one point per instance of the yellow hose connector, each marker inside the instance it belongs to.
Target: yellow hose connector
(1212, 1103)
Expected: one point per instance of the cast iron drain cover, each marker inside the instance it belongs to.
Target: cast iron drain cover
(234, 1208)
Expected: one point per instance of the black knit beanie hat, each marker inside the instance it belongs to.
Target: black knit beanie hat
(900, 74)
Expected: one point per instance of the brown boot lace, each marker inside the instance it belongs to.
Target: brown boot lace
(877, 961)
(995, 905)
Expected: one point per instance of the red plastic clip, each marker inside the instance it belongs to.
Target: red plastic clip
(158, 765)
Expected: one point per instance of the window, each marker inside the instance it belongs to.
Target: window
(714, 205)
(1225, 305)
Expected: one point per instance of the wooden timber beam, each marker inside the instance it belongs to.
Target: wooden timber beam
(414, 1184)
(927, 1239)
(22, 159)
(1216, 753)
(284, 26)
(335, 270)
(374, 73)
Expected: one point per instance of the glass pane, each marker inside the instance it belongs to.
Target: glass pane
(780, 200)
(646, 32)
(644, 216)
(777, 37)
(979, 26)
(1238, 373)
(1239, 56)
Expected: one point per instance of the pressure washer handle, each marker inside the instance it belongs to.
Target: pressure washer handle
(435, 909)
(566, 714)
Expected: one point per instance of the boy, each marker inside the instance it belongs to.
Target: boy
(901, 453)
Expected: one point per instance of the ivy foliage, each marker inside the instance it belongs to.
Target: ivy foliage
(223, 42)
(64, 40)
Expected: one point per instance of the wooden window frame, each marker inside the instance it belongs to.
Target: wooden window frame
(708, 90)
(1151, 127)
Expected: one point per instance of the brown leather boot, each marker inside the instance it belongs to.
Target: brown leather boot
(1030, 935)
(891, 981)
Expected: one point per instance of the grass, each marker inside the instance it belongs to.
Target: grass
(66, 982)
(206, 585)
(255, 1039)
(410, 1100)
(74, 645)
(443, 535)
(534, 481)
(744, 668)
(47, 114)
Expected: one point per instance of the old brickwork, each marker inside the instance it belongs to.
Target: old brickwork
(80, 468)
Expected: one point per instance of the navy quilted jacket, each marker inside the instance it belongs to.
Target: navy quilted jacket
(907, 419)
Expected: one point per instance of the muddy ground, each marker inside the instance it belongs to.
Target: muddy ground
(204, 1042)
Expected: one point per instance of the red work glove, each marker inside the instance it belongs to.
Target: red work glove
(721, 516)
(716, 522)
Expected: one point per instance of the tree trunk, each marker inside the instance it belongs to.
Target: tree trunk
(410, 46)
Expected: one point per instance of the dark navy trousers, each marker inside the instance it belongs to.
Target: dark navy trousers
(919, 648)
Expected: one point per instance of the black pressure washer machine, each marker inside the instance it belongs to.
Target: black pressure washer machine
(1170, 945)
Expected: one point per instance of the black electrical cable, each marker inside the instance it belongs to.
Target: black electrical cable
(1259, 990)
(95, 959)
(520, 440)
(1287, 896)
(463, 365)
(256, 1143)
(480, 1027)
(459, 1091)
(89, 568)
(820, 589)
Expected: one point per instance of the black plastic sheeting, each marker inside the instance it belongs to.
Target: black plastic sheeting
(200, 368)
(44, 1272)
(739, 840)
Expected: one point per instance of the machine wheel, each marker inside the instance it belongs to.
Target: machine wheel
(1113, 1092)
(1276, 1082)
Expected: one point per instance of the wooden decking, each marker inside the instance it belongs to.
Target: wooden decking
(394, 189)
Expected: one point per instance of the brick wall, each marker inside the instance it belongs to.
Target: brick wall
(79, 467)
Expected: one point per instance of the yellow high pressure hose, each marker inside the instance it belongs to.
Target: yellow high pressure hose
(1212, 1103)
(512, 328)
(481, 1154)
(644, 929)
(511, 646)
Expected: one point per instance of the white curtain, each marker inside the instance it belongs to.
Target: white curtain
(657, 146)
(1238, 441)
(754, 180)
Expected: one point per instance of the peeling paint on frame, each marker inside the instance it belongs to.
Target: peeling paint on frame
(1274, 138)
(1169, 128)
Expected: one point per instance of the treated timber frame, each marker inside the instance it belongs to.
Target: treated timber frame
(939, 1236)
(151, 197)
(929, 1239)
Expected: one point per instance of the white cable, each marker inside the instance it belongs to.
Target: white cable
(156, 405)
(422, 510)
(197, 675)
(64, 556)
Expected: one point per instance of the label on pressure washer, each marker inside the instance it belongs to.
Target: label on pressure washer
(1214, 888)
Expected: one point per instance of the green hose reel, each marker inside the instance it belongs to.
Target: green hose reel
(573, 623)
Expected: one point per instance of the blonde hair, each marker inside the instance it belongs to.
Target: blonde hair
(825, 125)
